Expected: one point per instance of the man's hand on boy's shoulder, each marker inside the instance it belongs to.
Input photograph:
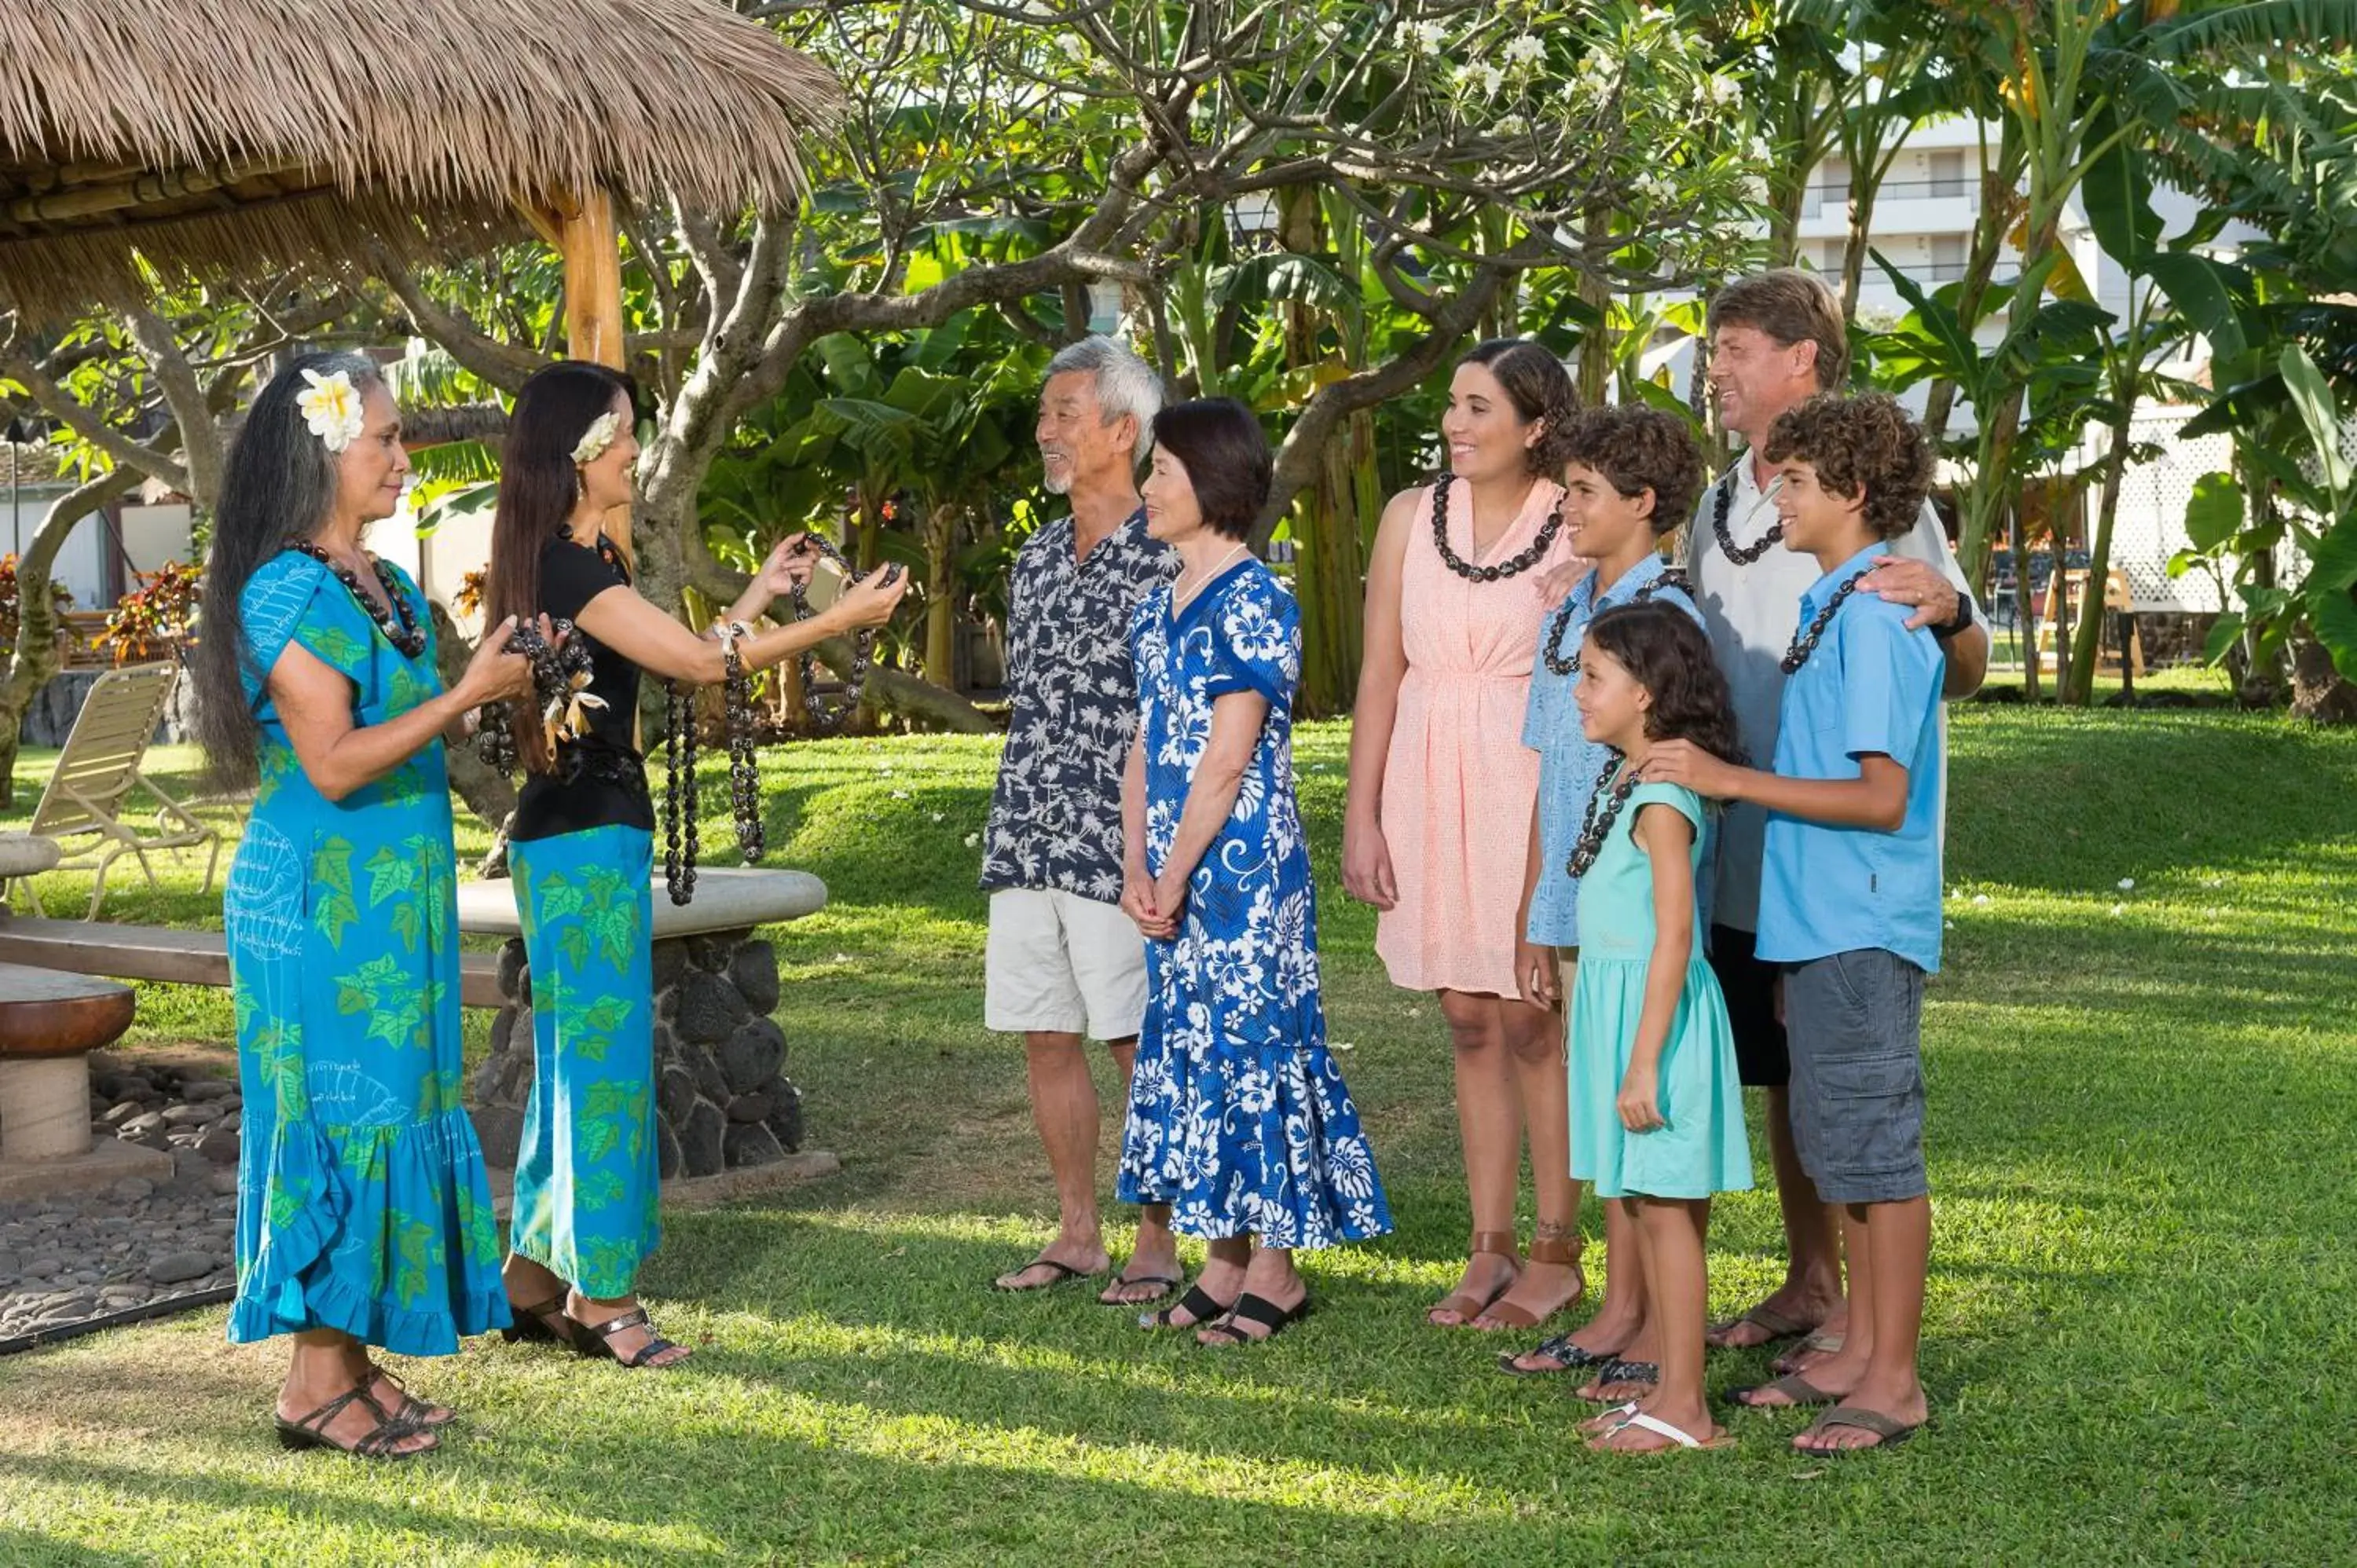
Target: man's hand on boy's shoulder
(1930, 599)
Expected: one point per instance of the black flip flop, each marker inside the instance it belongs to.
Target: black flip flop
(1261, 1310)
(1200, 1302)
(1559, 1349)
(1619, 1371)
(1065, 1274)
(1169, 1288)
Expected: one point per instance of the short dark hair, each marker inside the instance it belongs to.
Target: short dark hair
(1865, 443)
(1220, 444)
(1792, 306)
(1665, 650)
(1536, 384)
(1636, 449)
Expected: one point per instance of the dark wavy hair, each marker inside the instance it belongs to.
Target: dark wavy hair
(1539, 388)
(1667, 654)
(1226, 456)
(1865, 443)
(538, 485)
(1636, 449)
(278, 486)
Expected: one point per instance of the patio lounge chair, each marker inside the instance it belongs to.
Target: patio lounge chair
(99, 770)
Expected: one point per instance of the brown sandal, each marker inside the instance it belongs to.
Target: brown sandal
(376, 1442)
(424, 1414)
(1464, 1304)
(1561, 1249)
(597, 1341)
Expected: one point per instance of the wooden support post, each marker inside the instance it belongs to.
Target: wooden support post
(580, 224)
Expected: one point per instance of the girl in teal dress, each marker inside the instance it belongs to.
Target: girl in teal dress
(1656, 1107)
(363, 1216)
(581, 851)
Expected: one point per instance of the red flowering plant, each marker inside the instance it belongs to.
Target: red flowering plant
(153, 618)
(61, 599)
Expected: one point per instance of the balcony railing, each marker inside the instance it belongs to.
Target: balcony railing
(1962, 186)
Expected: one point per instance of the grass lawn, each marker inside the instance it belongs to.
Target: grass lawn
(2138, 1341)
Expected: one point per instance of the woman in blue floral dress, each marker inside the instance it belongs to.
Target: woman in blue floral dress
(1238, 1116)
(363, 1215)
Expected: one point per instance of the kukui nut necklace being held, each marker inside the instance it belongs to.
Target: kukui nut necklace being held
(1723, 501)
(1596, 826)
(1553, 652)
(862, 645)
(393, 617)
(1530, 557)
(1804, 641)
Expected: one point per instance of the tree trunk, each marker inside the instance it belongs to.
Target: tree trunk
(37, 622)
(1331, 567)
(2025, 603)
(2086, 648)
(940, 603)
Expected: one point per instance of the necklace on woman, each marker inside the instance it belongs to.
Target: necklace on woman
(1597, 825)
(1741, 554)
(862, 646)
(1671, 577)
(1515, 567)
(1804, 642)
(680, 842)
(407, 637)
(1179, 598)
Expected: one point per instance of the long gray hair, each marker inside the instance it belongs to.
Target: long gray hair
(278, 486)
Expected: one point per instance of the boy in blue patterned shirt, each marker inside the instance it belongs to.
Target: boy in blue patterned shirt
(1849, 899)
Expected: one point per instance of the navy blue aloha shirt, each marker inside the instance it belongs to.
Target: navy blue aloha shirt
(1055, 817)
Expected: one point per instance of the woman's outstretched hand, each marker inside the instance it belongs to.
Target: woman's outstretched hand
(787, 566)
(869, 601)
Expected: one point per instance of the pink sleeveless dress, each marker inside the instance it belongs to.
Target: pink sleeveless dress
(1459, 783)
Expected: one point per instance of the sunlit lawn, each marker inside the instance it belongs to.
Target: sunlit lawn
(2139, 1343)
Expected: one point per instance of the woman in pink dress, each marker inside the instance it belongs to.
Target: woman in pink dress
(1441, 793)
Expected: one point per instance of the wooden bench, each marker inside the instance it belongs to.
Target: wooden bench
(165, 952)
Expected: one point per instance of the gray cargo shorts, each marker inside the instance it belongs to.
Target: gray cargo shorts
(1856, 1020)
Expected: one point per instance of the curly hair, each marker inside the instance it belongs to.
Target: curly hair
(1665, 651)
(1539, 388)
(1637, 450)
(1865, 443)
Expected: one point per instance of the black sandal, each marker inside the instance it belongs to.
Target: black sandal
(376, 1442)
(1197, 1302)
(597, 1341)
(423, 1415)
(1166, 1288)
(1559, 1349)
(1261, 1310)
(532, 1325)
(1065, 1274)
(1619, 1371)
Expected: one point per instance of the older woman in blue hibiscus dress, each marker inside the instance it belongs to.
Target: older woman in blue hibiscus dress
(1238, 1116)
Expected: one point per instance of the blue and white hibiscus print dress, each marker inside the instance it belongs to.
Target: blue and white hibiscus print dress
(1238, 1117)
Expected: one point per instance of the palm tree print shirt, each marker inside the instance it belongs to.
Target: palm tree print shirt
(1055, 817)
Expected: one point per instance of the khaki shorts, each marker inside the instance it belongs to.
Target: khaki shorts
(1058, 964)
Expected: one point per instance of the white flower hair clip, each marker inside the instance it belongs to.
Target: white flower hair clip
(597, 438)
(330, 406)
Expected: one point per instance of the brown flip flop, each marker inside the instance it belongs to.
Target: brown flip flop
(1888, 1434)
(1798, 1391)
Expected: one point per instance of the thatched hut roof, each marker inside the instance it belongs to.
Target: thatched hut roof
(220, 137)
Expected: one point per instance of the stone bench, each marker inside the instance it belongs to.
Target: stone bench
(722, 1102)
(49, 1022)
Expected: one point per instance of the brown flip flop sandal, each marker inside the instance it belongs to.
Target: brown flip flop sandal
(1464, 1304)
(1778, 1325)
(1543, 1250)
(1888, 1434)
(1798, 1391)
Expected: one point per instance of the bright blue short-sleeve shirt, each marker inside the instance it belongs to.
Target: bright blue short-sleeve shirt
(1871, 687)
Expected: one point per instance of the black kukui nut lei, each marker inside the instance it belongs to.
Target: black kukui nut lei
(862, 646)
(1596, 826)
(1742, 555)
(1804, 641)
(1531, 556)
(1553, 652)
(393, 617)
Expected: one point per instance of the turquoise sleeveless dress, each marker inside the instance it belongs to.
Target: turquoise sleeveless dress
(363, 1203)
(1703, 1149)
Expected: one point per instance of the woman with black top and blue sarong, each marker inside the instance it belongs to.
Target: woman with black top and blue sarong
(581, 851)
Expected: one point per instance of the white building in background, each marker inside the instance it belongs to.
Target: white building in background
(1924, 216)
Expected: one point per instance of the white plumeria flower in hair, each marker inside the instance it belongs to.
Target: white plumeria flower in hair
(330, 406)
(597, 438)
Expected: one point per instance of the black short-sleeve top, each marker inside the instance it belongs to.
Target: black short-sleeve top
(599, 779)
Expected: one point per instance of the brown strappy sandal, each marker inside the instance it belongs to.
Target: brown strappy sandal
(1464, 1304)
(376, 1443)
(424, 1414)
(545, 1323)
(598, 1340)
(1562, 1250)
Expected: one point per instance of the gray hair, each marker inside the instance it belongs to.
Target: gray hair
(1124, 383)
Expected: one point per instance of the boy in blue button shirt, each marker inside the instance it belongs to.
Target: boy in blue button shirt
(1849, 900)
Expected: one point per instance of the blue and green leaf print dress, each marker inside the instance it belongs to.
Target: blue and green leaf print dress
(362, 1204)
(1239, 1118)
